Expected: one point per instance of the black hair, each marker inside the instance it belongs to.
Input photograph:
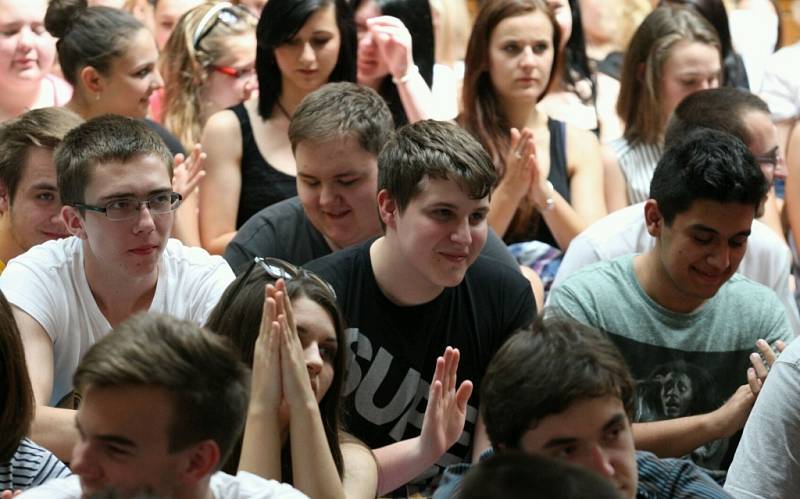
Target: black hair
(707, 164)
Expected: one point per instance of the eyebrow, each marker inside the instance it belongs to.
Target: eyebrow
(120, 195)
(44, 186)
(302, 331)
(705, 228)
(111, 439)
(561, 441)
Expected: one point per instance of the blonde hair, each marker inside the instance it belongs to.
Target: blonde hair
(184, 67)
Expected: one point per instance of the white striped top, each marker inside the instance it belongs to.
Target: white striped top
(31, 465)
(637, 164)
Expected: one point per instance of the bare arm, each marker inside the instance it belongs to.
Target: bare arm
(680, 436)
(219, 197)
(614, 185)
(585, 171)
(792, 196)
(52, 428)
(360, 479)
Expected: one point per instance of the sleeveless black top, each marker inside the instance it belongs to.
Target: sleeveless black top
(535, 228)
(262, 184)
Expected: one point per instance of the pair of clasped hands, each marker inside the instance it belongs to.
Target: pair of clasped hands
(522, 174)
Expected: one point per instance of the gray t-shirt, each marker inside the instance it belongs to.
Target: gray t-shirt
(767, 463)
(283, 231)
(684, 364)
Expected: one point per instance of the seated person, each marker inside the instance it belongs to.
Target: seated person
(682, 301)
(767, 260)
(516, 475)
(23, 464)
(30, 210)
(562, 390)
(114, 180)
(336, 135)
(765, 464)
(188, 387)
(423, 286)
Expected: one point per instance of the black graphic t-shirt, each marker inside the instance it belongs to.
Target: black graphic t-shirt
(393, 349)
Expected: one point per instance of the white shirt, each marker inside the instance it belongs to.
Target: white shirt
(48, 282)
(766, 261)
(223, 486)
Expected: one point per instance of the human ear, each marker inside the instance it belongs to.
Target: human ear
(5, 199)
(91, 79)
(73, 221)
(387, 208)
(653, 218)
(201, 460)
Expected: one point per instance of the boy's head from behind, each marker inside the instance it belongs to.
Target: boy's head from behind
(562, 389)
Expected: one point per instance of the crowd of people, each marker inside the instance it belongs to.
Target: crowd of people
(398, 248)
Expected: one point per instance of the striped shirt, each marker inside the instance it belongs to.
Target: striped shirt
(637, 163)
(31, 465)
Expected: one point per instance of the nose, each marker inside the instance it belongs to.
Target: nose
(307, 54)
(327, 195)
(527, 58)
(780, 169)
(462, 233)
(57, 221)
(83, 463)
(157, 81)
(145, 222)
(599, 461)
(25, 39)
(720, 259)
(313, 359)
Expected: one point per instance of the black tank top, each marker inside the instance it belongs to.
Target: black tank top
(535, 228)
(262, 184)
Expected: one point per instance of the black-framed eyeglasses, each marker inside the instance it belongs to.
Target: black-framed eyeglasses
(280, 269)
(771, 159)
(129, 208)
(223, 12)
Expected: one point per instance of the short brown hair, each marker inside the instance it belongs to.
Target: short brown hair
(16, 393)
(433, 149)
(45, 127)
(639, 102)
(543, 369)
(201, 370)
(105, 139)
(342, 109)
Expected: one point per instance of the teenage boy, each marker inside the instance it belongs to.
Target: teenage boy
(30, 209)
(163, 404)
(423, 286)
(336, 133)
(744, 115)
(114, 180)
(561, 390)
(684, 321)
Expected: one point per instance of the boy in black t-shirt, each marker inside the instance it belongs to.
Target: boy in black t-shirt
(419, 288)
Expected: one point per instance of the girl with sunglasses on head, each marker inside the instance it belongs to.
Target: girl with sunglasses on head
(110, 59)
(286, 324)
(302, 44)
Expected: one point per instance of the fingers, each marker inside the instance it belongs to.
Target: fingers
(753, 381)
(766, 351)
(463, 394)
(759, 368)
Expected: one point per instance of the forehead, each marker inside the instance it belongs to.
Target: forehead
(313, 319)
(367, 10)
(584, 419)
(763, 134)
(137, 176)
(29, 10)
(323, 19)
(685, 55)
(336, 156)
(534, 25)
(446, 191)
(727, 219)
(140, 46)
(38, 166)
(119, 412)
(175, 8)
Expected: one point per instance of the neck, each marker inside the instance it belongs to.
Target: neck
(289, 99)
(659, 286)
(400, 283)
(116, 302)
(16, 99)
(374, 83)
(80, 106)
(522, 114)
(9, 248)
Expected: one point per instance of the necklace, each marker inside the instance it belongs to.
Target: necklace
(282, 110)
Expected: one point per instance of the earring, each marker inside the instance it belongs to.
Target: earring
(97, 97)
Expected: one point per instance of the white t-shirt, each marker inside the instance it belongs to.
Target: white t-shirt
(766, 261)
(242, 486)
(49, 283)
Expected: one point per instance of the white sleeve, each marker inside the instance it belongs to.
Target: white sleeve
(26, 286)
(208, 288)
(780, 87)
(767, 461)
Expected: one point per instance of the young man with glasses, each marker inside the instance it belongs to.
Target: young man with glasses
(114, 180)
